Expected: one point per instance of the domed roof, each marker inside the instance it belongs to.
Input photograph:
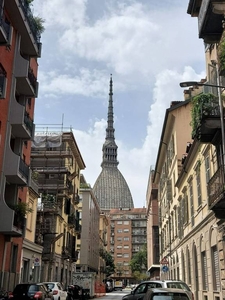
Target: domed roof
(111, 189)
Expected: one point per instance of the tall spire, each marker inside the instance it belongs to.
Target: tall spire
(109, 148)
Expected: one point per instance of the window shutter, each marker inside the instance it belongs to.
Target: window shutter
(216, 277)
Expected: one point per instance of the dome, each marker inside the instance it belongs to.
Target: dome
(111, 189)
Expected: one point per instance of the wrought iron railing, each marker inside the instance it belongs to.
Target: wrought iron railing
(216, 187)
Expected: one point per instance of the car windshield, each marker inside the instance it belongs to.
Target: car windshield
(178, 285)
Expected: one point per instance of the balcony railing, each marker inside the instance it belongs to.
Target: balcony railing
(24, 169)
(11, 223)
(205, 117)
(216, 192)
(22, 125)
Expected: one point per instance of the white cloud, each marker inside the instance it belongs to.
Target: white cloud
(86, 83)
(142, 47)
(135, 163)
(61, 13)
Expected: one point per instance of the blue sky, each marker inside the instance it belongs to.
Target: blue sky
(147, 46)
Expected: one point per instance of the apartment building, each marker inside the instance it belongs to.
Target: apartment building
(127, 236)
(20, 48)
(56, 162)
(187, 172)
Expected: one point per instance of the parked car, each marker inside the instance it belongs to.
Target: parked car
(57, 290)
(27, 291)
(166, 294)
(140, 290)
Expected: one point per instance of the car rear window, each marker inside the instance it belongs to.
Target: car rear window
(178, 285)
(33, 288)
(50, 286)
(21, 288)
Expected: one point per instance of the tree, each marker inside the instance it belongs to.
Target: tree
(109, 262)
(138, 263)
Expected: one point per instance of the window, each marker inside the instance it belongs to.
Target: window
(119, 230)
(215, 269)
(126, 222)
(14, 255)
(119, 222)
(198, 182)
(126, 238)
(126, 230)
(2, 82)
(126, 247)
(191, 201)
(204, 271)
(126, 255)
(207, 168)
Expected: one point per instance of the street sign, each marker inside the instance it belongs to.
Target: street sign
(165, 269)
(164, 261)
(36, 262)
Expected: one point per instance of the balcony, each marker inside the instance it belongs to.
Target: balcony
(74, 255)
(216, 193)
(66, 252)
(22, 125)
(11, 223)
(210, 18)
(26, 82)
(19, 10)
(206, 121)
(16, 170)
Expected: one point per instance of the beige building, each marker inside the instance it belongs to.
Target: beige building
(189, 178)
(56, 163)
(31, 251)
(126, 237)
(93, 238)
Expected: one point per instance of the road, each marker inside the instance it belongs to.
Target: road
(115, 295)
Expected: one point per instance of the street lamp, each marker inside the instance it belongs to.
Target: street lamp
(196, 83)
(219, 87)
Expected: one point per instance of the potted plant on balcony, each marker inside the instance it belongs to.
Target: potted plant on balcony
(21, 210)
(221, 55)
(202, 105)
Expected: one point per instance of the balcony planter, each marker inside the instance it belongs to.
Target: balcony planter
(205, 107)
(21, 209)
